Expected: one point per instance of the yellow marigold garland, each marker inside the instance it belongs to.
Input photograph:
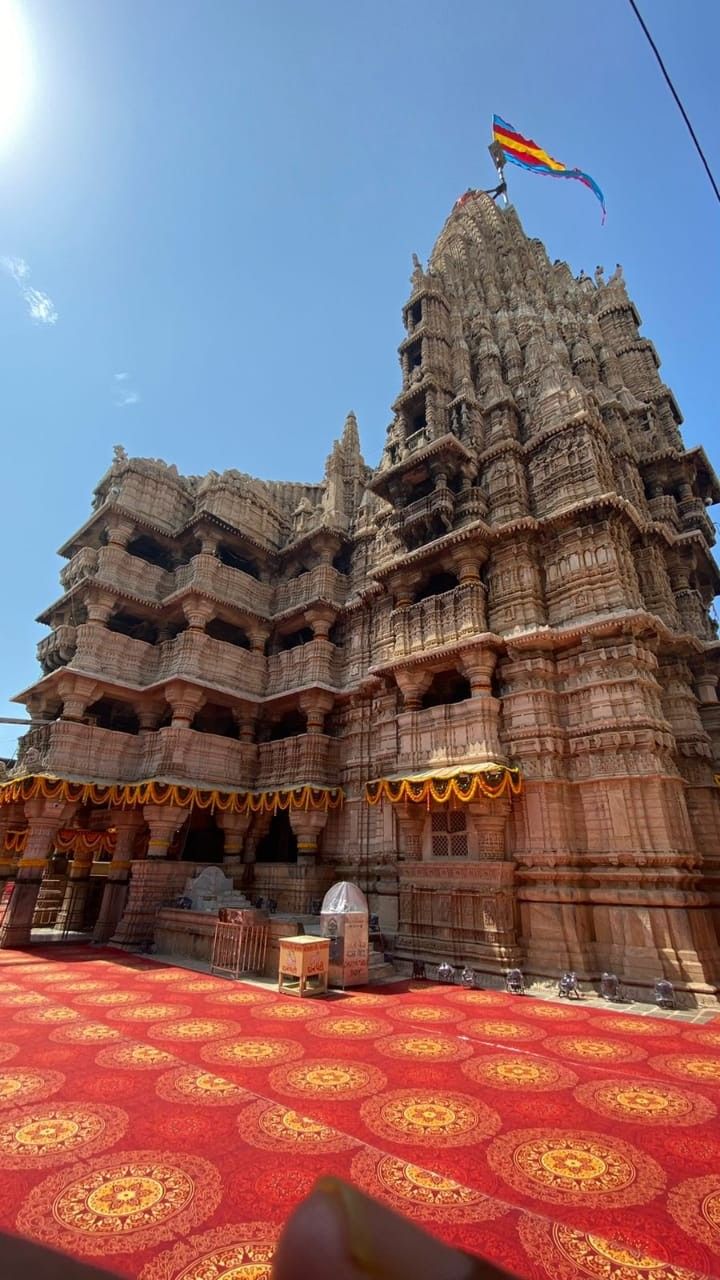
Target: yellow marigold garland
(133, 794)
(464, 787)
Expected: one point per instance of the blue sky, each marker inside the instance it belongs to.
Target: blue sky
(219, 201)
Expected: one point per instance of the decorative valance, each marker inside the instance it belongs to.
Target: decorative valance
(130, 795)
(456, 782)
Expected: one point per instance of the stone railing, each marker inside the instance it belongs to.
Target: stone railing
(191, 654)
(440, 502)
(694, 516)
(208, 574)
(57, 649)
(462, 732)
(290, 762)
(82, 565)
(313, 663)
(84, 751)
(200, 657)
(113, 656)
(439, 620)
(321, 583)
(201, 758)
(117, 568)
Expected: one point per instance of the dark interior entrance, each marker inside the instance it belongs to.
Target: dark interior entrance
(280, 843)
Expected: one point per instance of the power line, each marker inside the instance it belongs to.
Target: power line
(676, 96)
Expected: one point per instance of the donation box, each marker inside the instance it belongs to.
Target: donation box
(303, 968)
(344, 920)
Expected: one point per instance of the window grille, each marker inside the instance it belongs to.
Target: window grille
(449, 834)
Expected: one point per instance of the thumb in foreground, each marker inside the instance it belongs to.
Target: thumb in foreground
(340, 1234)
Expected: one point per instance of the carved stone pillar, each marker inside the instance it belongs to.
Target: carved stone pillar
(235, 828)
(119, 532)
(316, 706)
(72, 909)
(307, 825)
(163, 822)
(153, 879)
(77, 693)
(413, 684)
(99, 610)
(321, 621)
(245, 718)
(45, 817)
(127, 823)
(185, 701)
(479, 665)
(198, 612)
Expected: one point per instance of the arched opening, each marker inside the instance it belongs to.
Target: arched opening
(219, 629)
(204, 841)
(295, 638)
(280, 843)
(446, 687)
(213, 718)
(145, 548)
(290, 725)
(420, 490)
(133, 626)
(437, 584)
(233, 559)
(112, 713)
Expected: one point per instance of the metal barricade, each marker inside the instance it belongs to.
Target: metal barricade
(239, 948)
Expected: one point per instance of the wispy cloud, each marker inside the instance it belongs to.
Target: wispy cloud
(123, 393)
(41, 307)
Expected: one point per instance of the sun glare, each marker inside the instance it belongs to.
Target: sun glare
(15, 69)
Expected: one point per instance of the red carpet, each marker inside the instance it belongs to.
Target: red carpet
(163, 1123)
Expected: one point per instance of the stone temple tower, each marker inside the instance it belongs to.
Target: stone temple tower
(480, 680)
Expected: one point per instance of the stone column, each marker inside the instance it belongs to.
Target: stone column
(45, 818)
(163, 822)
(307, 825)
(198, 612)
(234, 827)
(413, 684)
(77, 692)
(154, 879)
(185, 701)
(72, 909)
(127, 823)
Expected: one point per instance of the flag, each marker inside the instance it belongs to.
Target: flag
(526, 153)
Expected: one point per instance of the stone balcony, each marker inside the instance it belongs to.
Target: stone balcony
(458, 733)
(207, 574)
(694, 516)
(323, 583)
(290, 762)
(435, 623)
(665, 509)
(198, 657)
(75, 750)
(308, 664)
(191, 654)
(201, 758)
(115, 568)
(441, 502)
(57, 649)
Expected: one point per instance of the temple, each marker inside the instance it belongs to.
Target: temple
(479, 680)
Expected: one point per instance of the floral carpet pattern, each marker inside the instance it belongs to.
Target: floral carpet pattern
(167, 1122)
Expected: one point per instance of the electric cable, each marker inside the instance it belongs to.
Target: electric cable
(677, 98)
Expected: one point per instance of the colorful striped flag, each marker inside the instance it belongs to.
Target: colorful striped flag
(529, 155)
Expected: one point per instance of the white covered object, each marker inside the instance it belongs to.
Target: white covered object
(344, 897)
(344, 919)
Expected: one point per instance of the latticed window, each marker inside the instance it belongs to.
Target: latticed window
(449, 834)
